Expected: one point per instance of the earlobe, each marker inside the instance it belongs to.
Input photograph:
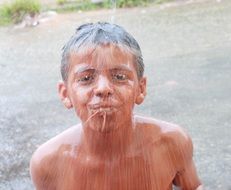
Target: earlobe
(62, 89)
(67, 103)
(142, 91)
(139, 99)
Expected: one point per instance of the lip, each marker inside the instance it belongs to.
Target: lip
(103, 107)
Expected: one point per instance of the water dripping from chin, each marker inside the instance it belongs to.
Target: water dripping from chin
(91, 116)
(100, 123)
(104, 121)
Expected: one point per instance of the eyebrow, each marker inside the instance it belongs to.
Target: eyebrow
(84, 68)
(121, 67)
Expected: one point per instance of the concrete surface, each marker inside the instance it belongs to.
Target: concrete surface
(187, 53)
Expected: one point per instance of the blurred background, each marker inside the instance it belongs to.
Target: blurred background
(186, 46)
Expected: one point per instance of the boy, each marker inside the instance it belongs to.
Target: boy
(111, 149)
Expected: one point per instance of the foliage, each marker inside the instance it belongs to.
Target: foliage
(61, 2)
(16, 11)
(4, 15)
(134, 3)
(72, 5)
(131, 3)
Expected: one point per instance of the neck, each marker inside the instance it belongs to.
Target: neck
(108, 144)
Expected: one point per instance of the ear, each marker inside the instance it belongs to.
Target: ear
(62, 89)
(142, 91)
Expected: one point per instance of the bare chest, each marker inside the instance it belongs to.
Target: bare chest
(146, 172)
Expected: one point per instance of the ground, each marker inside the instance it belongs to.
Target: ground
(186, 48)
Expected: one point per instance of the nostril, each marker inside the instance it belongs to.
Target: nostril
(99, 94)
(103, 92)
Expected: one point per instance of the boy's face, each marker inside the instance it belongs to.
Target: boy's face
(103, 87)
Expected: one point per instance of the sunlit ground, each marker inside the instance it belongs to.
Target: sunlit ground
(187, 53)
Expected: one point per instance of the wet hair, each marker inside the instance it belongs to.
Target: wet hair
(93, 35)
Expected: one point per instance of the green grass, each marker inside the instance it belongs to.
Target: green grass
(5, 15)
(74, 5)
(61, 2)
(14, 12)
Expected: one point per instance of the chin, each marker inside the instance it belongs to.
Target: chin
(103, 129)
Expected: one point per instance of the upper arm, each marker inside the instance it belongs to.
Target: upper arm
(41, 174)
(36, 172)
(186, 176)
(45, 163)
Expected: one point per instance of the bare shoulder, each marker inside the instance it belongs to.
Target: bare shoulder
(164, 127)
(171, 135)
(69, 136)
(45, 157)
(173, 144)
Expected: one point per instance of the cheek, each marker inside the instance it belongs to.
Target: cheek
(80, 96)
(127, 93)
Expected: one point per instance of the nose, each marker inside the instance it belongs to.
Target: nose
(103, 88)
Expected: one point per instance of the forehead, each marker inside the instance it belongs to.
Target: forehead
(102, 57)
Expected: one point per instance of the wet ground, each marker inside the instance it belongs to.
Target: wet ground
(187, 53)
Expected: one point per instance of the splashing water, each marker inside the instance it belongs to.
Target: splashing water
(113, 7)
(103, 113)
(90, 117)
(104, 120)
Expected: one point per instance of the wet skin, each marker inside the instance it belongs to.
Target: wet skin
(112, 149)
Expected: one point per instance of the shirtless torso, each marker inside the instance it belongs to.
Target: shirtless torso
(159, 155)
(102, 71)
